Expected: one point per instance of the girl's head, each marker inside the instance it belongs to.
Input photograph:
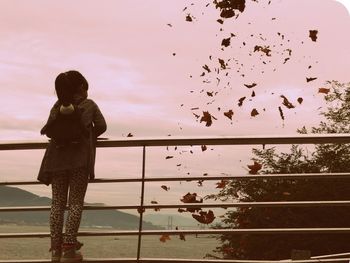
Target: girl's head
(70, 85)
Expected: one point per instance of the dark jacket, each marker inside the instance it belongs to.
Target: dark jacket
(74, 155)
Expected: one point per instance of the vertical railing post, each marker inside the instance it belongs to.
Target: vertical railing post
(141, 209)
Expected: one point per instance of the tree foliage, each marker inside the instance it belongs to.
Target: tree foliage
(324, 158)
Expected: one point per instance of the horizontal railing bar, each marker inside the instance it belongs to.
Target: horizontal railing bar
(196, 205)
(204, 178)
(189, 141)
(172, 260)
(257, 231)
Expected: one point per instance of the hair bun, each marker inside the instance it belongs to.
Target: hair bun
(67, 109)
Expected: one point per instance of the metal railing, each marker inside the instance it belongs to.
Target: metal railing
(173, 141)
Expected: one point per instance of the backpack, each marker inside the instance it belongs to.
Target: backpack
(67, 128)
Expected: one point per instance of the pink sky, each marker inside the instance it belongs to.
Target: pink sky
(124, 48)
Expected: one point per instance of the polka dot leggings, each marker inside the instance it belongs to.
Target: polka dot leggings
(75, 182)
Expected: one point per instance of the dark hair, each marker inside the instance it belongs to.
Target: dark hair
(68, 84)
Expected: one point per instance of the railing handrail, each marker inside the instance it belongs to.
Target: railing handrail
(193, 141)
(188, 141)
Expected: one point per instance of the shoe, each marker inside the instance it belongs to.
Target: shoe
(56, 255)
(70, 253)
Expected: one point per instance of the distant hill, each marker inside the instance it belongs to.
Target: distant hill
(12, 196)
(165, 220)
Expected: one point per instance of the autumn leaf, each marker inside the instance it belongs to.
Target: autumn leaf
(229, 114)
(191, 198)
(254, 168)
(206, 67)
(226, 42)
(129, 135)
(189, 18)
(264, 49)
(249, 86)
(240, 101)
(281, 112)
(210, 94)
(207, 118)
(254, 113)
(323, 90)
(204, 148)
(222, 63)
(154, 202)
(166, 188)
(313, 35)
(300, 100)
(200, 183)
(287, 103)
(310, 79)
(169, 157)
(204, 217)
(141, 210)
(221, 184)
(164, 238)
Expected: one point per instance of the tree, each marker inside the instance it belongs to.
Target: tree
(324, 158)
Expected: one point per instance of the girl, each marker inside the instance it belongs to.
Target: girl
(69, 164)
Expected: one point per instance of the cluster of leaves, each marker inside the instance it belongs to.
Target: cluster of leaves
(325, 158)
(219, 70)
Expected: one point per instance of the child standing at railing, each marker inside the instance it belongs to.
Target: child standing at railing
(73, 125)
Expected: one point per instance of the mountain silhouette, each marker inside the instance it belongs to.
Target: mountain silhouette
(12, 196)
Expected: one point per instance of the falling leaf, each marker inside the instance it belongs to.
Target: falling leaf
(189, 18)
(154, 202)
(141, 210)
(281, 112)
(226, 42)
(210, 94)
(207, 118)
(287, 103)
(191, 198)
(196, 108)
(253, 93)
(229, 114)
(169, 157)
(222, 63)
(204, 217)
(254, 168)
(206, 68)
(166, 188)
(323, 90)
(164, 238)
(240, 101)
(300, 100)
(285, 60)
(220, 21)
(313, 35)
(200, 183)
(221, 184)
(170, 25)
(265, 50)
(129, 135)
(249, 86)
(254, 113)
(204, 148)
(310, 79)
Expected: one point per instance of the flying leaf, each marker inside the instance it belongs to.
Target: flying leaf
(164, 238)
(264, 49)
(221, 184)
(254, 113)
(240, 101)
(229, 114)
(300, 100)
(222, 63)
(154, 202)
(130, 135)
(207, 118)
(254, 168)
(226, 42)
(206, 67)
(169, 157)
(191, 198)
(166, 188)
(189, 18)
(204, 148)
(310, 79)
(281, 112)
(323, 90)
(210, 94)
(249, 86)
(313, 35)
(287, 103)
(204, 217)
